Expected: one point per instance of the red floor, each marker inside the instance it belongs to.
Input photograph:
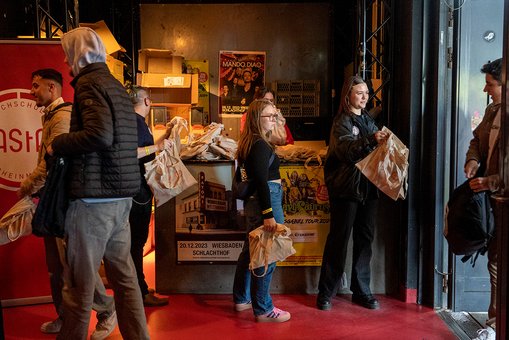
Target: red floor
(212, 317)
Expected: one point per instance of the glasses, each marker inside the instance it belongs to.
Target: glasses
(272, 116)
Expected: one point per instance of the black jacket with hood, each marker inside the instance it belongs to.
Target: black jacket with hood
(352, 138)
(102, 141)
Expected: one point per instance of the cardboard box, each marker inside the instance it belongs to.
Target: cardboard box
(171, 88)
(110, 43)
(152, 60)
(116, 68)
(231, 124)
(165, 80)
(160, 115)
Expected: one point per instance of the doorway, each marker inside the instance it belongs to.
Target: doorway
(479, 33)
(478, 37)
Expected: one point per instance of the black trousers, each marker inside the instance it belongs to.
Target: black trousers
(347, 216)
(139, 219)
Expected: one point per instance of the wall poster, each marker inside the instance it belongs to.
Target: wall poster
(306, 208)
(210, 226)
(241, 73)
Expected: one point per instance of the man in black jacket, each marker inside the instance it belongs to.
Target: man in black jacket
(104, 176)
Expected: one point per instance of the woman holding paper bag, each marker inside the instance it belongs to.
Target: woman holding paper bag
(353, 198)
(256, 153)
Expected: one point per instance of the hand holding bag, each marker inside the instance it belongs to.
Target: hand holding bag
(49, 217)
(268, 247)
(17, 222)
(387, 167)
(166, 175)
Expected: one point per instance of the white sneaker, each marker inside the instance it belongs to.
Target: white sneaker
(487, 333)
(239, 307)
(52, 327)
(104, 327)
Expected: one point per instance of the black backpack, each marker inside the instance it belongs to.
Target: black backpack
(470, 224)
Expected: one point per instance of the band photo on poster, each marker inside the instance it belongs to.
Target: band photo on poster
(241, 73)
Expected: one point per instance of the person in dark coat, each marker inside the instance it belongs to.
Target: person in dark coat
(353, 198)
(103, 177)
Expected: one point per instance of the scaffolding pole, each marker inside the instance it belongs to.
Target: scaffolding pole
(373, 58)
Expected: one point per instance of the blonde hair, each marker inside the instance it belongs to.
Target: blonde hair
(253, 129)
(344, 105)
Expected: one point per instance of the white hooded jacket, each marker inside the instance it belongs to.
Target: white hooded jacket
(82, 46)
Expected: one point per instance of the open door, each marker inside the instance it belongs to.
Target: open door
(479, 34)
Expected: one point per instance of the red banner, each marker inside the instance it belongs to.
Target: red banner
(23, 271)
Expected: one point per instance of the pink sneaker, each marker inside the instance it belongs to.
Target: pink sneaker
(276, 315)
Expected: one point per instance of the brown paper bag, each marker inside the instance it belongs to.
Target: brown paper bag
(278, 135)
(387, 167)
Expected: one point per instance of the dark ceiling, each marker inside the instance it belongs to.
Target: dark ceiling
(17, 18)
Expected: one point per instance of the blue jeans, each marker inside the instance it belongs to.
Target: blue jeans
(247, 287)
(95, 232)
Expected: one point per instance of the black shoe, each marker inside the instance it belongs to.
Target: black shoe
(323, 303)
(367, 301)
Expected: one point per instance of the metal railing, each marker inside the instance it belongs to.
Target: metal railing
(46, 26)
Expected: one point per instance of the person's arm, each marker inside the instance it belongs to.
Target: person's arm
(144, 151)
(59, 125)
(96, 133)
(348, 147)
(257, 168)
(473, 158)
(158, 145)
(477, 152)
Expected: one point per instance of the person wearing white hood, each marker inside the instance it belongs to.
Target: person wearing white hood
(103, 177)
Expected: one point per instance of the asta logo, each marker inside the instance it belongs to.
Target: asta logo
(20, 136)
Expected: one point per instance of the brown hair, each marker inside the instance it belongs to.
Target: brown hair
(262, 91)
(344, 104)
(253, 129)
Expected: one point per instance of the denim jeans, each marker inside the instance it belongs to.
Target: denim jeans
(347, 216)
(103, 303)
(247, 287)
(95, 232)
